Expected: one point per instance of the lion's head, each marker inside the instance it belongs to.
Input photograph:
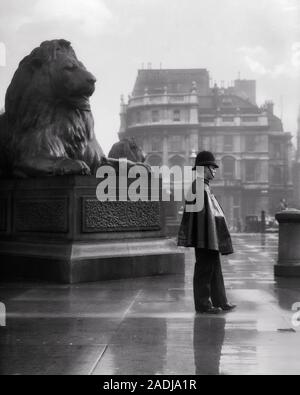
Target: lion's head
(127, 148)
(50, 73)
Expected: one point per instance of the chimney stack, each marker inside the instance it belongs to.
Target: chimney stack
(269, 106)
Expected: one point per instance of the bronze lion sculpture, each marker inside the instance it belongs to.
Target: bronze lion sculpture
(127, 148)
(48, 127)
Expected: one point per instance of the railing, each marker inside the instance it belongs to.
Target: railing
(164, 122)
(161, 99)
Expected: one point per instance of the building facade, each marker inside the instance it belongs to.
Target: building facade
(173, 114)
(296, 168)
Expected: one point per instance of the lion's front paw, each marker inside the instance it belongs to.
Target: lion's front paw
(75, 167)
(85, 170)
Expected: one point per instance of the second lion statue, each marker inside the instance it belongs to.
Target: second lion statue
(48, 127)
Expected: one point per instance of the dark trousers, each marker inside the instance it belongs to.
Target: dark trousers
(209, 288)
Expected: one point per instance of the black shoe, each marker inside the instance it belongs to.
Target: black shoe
(229, 307)
(210, 310)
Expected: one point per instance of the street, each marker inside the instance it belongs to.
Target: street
(148, 326)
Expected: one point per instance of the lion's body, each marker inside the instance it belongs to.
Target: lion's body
(5, 150)
(48, 126)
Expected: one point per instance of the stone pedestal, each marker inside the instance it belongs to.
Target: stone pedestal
(289, 244)
(55, 229)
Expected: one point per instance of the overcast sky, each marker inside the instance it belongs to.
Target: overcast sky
(258, 38)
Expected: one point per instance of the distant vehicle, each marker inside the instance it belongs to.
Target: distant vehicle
(253, 224)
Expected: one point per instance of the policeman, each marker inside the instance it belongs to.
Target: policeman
(208, 233)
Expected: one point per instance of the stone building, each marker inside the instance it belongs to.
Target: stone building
(173, 114)
(296, 173)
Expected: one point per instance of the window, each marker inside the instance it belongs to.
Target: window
(227, 101)
(175, 144)
(250, 119)
(138, 117)
(176, 116)
(155, 116)
(177, 98)
(156, 144)
(228, 143)
(203, 119)
(236, 201)
(250, 143)
(228, 119)
(277, 150)
(277, 175)
(250, 170)
(228, 168)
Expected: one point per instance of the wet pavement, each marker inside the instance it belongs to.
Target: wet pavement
(148, 326)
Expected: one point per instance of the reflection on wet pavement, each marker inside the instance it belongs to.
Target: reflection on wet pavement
(148, 326)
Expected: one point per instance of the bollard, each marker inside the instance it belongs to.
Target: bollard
(2, 314)
(288, 264)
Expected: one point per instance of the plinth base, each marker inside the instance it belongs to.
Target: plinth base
(55, 229)
(89, 262)
(287, 270)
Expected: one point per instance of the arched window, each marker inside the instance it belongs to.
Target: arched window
(228, 165)
(154, 160)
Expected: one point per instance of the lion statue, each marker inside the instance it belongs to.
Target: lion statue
(127, 148)
(5, 150)
(48, 127)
